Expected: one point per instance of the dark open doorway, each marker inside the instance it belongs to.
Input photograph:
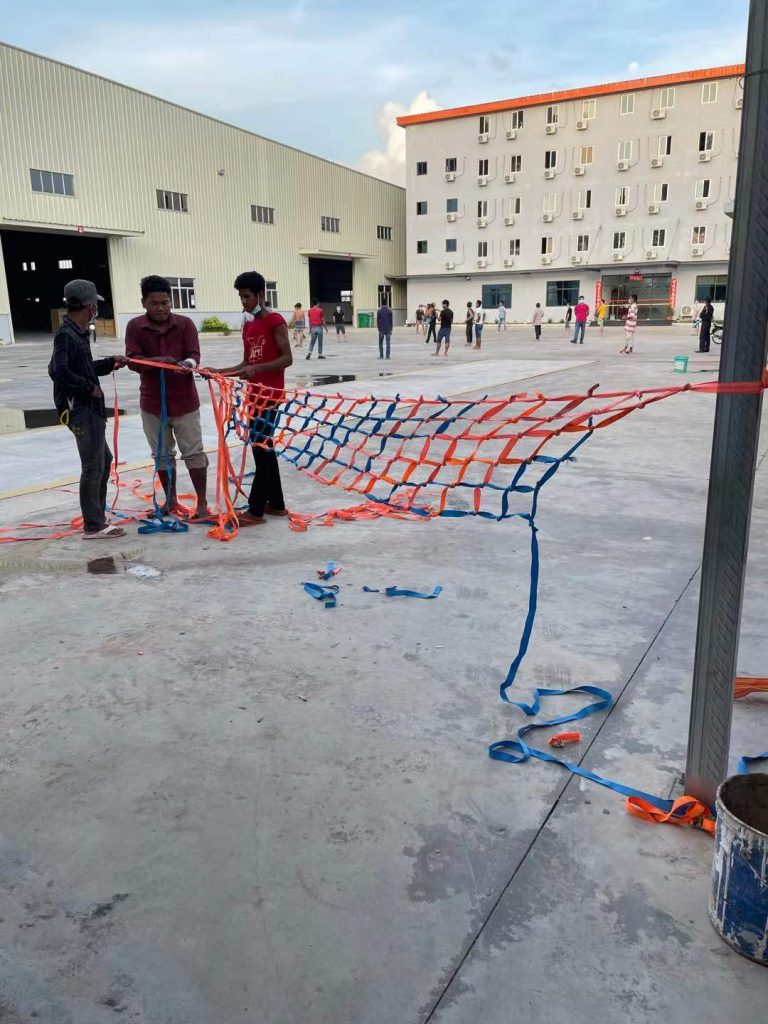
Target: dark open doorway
(330, 281)
(38, 265)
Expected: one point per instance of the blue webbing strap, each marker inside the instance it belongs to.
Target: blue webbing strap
(399, 592)
(158, 523)
(323, 592)
(745, 762)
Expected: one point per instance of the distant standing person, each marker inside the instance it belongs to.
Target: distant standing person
(630, 324)
(384, 324)
(581, 313)
(298, 325)
(446, 322)
(602, 312)
(568, 318)
(696, 315)
(479, 323)
(706, 315)
(469, 321)
(432, 319)
(338, 319)
(420, 320)
(538, 316)
(501, 318)
(316, 328)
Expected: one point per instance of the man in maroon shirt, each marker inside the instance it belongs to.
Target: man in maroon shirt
(161, 336)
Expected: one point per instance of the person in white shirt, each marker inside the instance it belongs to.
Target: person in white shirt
(479, 323)
(538, 316)
(502, 317)
(696, 314)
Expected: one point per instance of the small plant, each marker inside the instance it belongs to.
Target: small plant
(212, 325)
(550, 320)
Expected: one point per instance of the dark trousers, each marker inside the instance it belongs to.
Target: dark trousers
(89, 429)
(704, 336)
(469, 331)
(537, 329)
(430, 332)
(384, 336)
(267, 488)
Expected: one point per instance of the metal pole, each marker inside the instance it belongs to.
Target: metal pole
(735, 441)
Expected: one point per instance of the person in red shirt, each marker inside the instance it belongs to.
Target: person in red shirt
(266, 354)
(316, 327)
(161, 336)
(580, 314)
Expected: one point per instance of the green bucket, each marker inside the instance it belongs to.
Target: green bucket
(681, 364)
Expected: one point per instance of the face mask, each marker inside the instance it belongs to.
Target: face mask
(94, 312)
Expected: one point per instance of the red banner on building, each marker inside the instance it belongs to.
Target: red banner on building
(673, 294)
(598, 293)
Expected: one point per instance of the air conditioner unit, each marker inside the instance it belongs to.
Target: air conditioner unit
(483, 137)
(651, 254)
(511, 134)
(654, 207)
(549, 173)
(579, 169)
(581, 126)
(482, 262)
(576, 258)
(621, 211)
(510, 178)
(705, 157)
(509, 221)
(548, 218)
(739, 102)
(686, 312)
(551, 129)
(450, 175)
(701, 204)
(658, 114)
(509, 261)
(450, 265)
(482, 179)
(623, 165)
(578, 215)
(482, 222)
(546, 260)
(450, 217)
(657, 161)
(697, 250)
(618, 256)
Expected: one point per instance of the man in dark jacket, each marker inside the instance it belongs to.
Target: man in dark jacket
(80, 402)
(706, 314)
(384, 324)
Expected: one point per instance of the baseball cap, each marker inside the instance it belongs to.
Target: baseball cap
(82, 292)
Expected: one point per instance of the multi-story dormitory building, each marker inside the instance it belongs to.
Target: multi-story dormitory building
(603, 191)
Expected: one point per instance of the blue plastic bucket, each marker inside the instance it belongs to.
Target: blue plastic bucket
(681, 364)
(738, 904)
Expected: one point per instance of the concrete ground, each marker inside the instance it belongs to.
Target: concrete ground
(224, 803)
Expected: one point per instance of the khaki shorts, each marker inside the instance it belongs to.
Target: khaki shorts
(186, 431)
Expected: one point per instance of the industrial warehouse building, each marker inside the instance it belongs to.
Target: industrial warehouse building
(104, 182)
(604, 191)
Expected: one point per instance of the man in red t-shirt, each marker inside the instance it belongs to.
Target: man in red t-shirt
(266, 354)
(580, 314)
(161, 336)
(316, 327)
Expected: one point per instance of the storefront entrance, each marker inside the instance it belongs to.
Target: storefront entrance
(655, 301)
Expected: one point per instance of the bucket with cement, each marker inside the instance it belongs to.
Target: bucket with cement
(681, 364)
(738, 903)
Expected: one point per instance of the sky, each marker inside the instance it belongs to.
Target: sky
(331, 76)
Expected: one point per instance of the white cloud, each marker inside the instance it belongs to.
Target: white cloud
(389, 161)
(633, 67)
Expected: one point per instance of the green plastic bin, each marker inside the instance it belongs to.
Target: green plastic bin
(681, 364)
(365, 319)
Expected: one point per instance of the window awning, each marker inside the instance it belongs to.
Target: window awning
(332, 254)
(51, 227)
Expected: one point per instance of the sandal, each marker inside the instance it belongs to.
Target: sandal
(107, 533)
(276, 511)
(248, 519)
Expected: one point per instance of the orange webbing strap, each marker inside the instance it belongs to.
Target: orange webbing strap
(745, 685)
(686, 810)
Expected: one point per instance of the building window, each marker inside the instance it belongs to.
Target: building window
(712, 286)
(619, 239)
(582, 243)
(553, 114)
(625, 149)
(65, 264)
(660, 192)
(703, 186)
(515, 163)
(482, 167)
(550, 159)
(482, 249)
(659, 237)
(622, 195)
(451, 205)
(493, 294)
(182, 292)
(270, 294)
(547, 243)
(664, 146)
(451, 163)
(263, 214)
(706, 142)
(346, 295)
(518, 118)
(421, 248)
(514, 247)
(421, 208)
(562, 293)
(485, 124)
(385, 295)
(549, 202)
(384, 233)
(331, 224)
(709, 92)
(28, 266)
(54, 182)
(482, 208)
(627, 103)
(421, 167)
(450, 245)
(699, 235)
(516, 204)
(586, 154)
(176, 201)
(667, 99)
(588, 110)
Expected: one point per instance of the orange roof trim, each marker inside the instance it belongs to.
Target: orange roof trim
(636, 84)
